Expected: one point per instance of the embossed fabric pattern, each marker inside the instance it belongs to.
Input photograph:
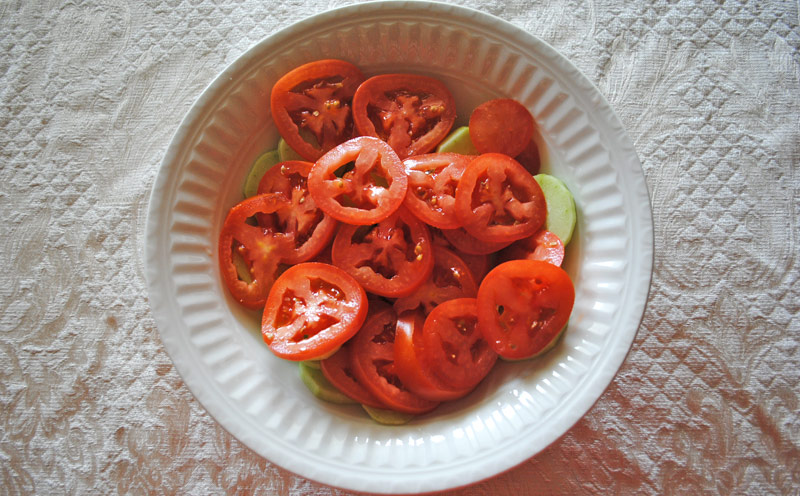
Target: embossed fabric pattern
(707, 402)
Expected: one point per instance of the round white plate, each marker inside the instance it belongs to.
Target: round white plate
(521, 407)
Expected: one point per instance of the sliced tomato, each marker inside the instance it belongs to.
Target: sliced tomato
(338, 370)
(453, 348)
(498, 201)
(308, 228)
(361, 181)
(467, 243)
(432, 181)
(410, 369)
(391, 258)
(373, 364)
(410, 112)
(311, 106)
(543, 245)
(530, 158)
(502, 126)
(523, 305)
(451, 278)
(260, 248)
(312, 309)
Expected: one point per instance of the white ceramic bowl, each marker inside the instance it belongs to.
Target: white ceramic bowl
(521, 407)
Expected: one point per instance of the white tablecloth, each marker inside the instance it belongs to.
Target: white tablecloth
(707, 401)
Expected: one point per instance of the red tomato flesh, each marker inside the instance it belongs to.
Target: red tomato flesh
(412, 113)
(502, 126)
(312, 309)
(523, 305)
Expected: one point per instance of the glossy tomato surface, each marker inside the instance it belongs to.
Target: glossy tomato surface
(502, 126)
(361, 181)
(312, 309)
(259, 248)
(311, 105)
(338, 370)
(391, 258)
(523, 305)
(499, 201)
(373, 364)
(432, 182)
(412, 113)
(411, 370)
(454, 349)
(451, 278)
(308, 228)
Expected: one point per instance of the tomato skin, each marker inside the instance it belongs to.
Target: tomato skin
(523, 305)
(316, 97)
(454, 348)
(497, 200)
(530, 158)
(408, 350)
(432, 181)
(412, 113)
(467, 243)
(357, 197)
(373, 364)
(543, 245)
(450, 278)
(502, 126)
(261, 249)
(307, 227)
(338, 370)
(312, 309)
(392, 258)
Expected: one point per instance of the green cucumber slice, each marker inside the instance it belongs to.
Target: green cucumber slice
(561, 213)
(320, 387)
(286, 152)
(260, 166)
(387, 417)
(458, 141)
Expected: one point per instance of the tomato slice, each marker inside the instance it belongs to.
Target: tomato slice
(530, 158)
(502, 126)
(432, 181)
(391, 258)
(372, 358)
(453, 347)
(497, 200)
(543, 245)
(464, 241)
(478, 264)
(338, 370)
(307, 227)
(314, 101)
(408, 366)
(361, 181)
(523, 305)
(451, 278)
(261, 249)
(410, 112)
(312, 309)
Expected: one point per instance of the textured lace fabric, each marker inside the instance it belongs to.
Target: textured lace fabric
(707, 402)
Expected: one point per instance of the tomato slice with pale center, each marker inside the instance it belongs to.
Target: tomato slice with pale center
(451, 278)
(432, 182)
(391, 258)
(454, 348)
(307, 227)
(312, 309)
(497, 200)
(523, 305)
(311, 106)
(373, 364)
(361, 181)
(261, 249)
(412, 113)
